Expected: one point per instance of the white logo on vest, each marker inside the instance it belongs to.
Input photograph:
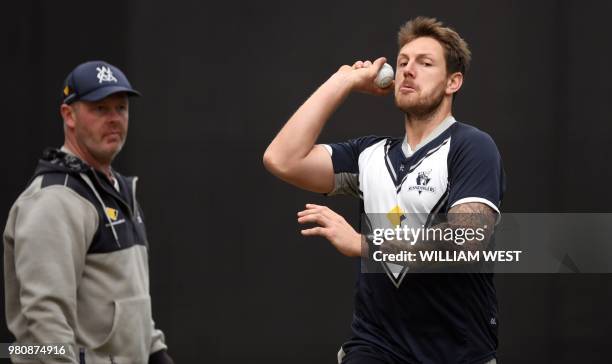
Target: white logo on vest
(105, 75)
(422, 180)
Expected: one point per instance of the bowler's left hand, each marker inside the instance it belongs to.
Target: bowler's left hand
(332, 227)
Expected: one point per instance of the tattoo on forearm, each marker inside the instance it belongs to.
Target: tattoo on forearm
(472, 215)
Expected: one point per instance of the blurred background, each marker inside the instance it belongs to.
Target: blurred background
(232, 280)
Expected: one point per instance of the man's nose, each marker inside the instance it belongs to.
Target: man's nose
(409, 70)
(115, 115)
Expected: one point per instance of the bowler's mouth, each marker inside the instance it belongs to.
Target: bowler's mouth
(408, 87)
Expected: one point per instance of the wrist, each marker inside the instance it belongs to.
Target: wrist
(357, 245)
(342, 81)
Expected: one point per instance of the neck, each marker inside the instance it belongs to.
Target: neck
(88, 158)
(418, 127)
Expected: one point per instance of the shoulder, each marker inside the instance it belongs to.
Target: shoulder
(55, 193)
(468, 133)
(53, 216)
(346, 155)
(352, 149)
(468, 138)
(359, 144)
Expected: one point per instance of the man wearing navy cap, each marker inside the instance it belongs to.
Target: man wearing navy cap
(75, 244)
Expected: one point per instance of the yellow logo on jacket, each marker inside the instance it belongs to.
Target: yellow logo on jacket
(396, 215)
(112, 213)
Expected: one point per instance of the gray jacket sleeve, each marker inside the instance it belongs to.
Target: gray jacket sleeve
(51, 232)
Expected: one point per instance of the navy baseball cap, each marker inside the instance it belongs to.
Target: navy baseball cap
(93, 81)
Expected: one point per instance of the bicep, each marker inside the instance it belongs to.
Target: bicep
(315, 172)
(473, 215)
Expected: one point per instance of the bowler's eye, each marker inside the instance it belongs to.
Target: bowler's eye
(101, 108)
(122, 107)
(402, 64)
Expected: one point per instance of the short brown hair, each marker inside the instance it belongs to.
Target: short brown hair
(456, 51)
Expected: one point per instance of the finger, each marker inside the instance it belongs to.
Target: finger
(310, 209)
(323, 210)
(329, 214)
(344, 67)
(358, 65)
(378, 63)
(315, 231)
(308, 212)
(367, 64)
(315, 219)
(313, 206)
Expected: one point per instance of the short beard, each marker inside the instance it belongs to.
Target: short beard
(107, 157)
(423, 109)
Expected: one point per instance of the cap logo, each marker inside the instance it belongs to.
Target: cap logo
(105, 75)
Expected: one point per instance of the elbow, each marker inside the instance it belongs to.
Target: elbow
(274, 164)
(269, 161)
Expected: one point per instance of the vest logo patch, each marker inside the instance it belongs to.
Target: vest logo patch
(396, 215)
(422, 182)
(112, 213)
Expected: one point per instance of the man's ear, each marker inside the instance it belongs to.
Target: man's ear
(454, 83)
(67, 113)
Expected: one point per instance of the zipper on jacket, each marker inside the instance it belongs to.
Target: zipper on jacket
(113, 193)
(136, 212)
(82, 355)
(95, 192)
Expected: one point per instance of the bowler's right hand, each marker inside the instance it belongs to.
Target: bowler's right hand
(361, 76)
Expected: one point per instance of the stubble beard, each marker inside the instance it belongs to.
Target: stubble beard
(423, 108)
(105, 155)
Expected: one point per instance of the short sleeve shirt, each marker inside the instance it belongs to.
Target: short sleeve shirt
(423, 317)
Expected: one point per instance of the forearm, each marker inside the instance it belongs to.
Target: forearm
(297, 138)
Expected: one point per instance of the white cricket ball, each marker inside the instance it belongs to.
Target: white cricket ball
(385, 76)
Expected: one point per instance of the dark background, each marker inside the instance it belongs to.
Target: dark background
(231, 278)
